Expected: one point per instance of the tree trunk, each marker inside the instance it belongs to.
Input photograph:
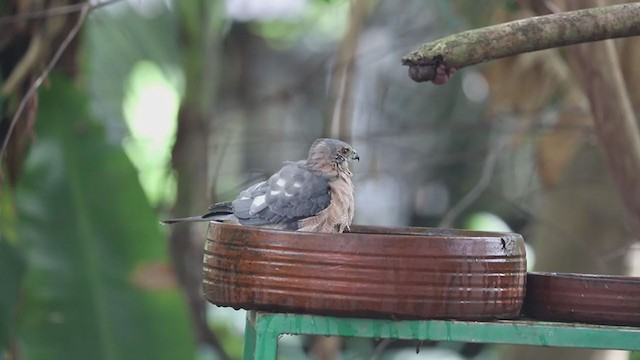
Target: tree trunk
(200, 37)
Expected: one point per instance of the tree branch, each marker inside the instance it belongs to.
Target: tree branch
(339, 122)
(45, 73)
(53, 11)
(615, 122)
(526, 35)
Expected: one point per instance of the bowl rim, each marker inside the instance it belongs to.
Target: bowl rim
(393, 231)
(579, 277)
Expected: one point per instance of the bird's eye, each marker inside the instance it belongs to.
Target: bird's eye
(344, 151)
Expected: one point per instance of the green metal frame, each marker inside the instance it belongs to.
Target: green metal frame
(263, 330)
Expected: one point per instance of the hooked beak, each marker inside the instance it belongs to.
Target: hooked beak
(355, 156)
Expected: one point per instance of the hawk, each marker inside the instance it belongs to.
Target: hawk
(313, 195)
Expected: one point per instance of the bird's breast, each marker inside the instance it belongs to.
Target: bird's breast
(338, 215)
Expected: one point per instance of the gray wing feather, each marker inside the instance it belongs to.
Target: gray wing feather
(291, 194)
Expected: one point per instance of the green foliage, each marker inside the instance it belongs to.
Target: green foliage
(12, 262)
(150, 108)
(322, 23)
(98, 284)
(12, 267)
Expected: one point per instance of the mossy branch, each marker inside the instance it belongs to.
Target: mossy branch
(516, 37)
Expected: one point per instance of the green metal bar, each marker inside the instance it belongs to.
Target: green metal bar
(271, 325)
(265, 337)
(249, 349)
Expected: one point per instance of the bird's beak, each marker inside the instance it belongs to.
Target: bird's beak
(355, 156)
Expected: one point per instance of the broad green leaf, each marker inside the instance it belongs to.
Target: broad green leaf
(12, 262)
(99, 284)
(12, 267)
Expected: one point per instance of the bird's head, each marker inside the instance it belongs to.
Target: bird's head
(332, 150)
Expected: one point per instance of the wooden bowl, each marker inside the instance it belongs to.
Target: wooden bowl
(595, 299)
(369, 272)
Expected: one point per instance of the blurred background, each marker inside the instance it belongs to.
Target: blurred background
(157, 108)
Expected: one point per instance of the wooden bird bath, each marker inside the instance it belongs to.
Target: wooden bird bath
(410, 273)
(595, 299)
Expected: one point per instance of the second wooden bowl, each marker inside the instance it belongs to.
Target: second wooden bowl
(596, 299)
(368, 272)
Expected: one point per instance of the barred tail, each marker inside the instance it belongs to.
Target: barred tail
(217, 212)
(185, 219)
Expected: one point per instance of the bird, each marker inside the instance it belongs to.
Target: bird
(313, 195)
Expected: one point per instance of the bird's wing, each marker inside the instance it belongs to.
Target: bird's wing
(291, 194)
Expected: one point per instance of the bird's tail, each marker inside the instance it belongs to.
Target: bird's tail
(217, 212)
(185, 219)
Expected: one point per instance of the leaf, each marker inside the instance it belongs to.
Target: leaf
(154, 275)
(12, 268)
(88, 227)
